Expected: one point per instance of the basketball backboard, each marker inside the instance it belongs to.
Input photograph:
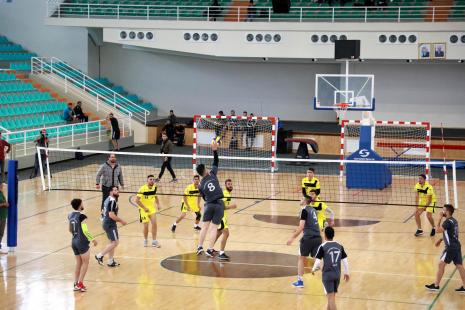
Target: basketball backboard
(356, 90)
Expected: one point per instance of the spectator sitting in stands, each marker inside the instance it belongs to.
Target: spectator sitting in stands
(179, 134)
(68, 113)
(221, 113)
(79, 113)
(172, 118)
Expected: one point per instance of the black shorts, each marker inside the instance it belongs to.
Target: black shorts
(115, 135)
(330, 285)
(309, 246)
(452, 255)
(111, 230)
(79, 247)
(213, 211)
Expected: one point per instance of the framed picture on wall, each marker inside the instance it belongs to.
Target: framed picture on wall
(424, 51)
(439, 51)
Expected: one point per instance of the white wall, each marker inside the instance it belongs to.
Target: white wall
(190, 85)
(193, 85)
(418, 92)
(22, 21)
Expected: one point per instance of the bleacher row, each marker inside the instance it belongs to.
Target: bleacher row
(20, 102)
(414, 9)
(23, 107)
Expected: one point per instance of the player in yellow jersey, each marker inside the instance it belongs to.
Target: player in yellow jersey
(309, 183)
(426, 200)
(224, 227)
(145, 199)
(190, 202)
(321, 209)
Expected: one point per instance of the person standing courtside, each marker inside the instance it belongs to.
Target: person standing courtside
(3, 144)
(3, 217)
(426, 200)
(110, 217)
(110, 174)
(166, 148)
(115, 132)
(145, 199)
(332, 254)
(212, 194)
(310, 240)
(41, 141)
(80, 243)
(453, 250)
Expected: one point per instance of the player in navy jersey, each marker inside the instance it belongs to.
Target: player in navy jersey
(452, 252)
(212, 194)
(80, 243)
(332, 254)
(311, 238)
(110, 218)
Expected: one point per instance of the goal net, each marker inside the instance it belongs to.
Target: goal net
(77, 172)
(249, 138)
(393, 141)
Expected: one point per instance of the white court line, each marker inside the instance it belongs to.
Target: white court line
(248, 264)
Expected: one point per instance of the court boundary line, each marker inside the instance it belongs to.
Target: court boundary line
(297, 291)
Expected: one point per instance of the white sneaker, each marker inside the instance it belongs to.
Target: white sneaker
(145, 243)
(156, 244)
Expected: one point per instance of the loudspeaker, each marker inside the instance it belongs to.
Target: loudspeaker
(347, 49)
(281, 6)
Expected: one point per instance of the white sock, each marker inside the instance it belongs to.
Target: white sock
(110, 261)
(99, 255)
(221, 252)
(299, 278)
(174, 224)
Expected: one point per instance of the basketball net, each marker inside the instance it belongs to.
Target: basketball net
(341, 110)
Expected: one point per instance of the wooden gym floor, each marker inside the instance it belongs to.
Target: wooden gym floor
(389, 266)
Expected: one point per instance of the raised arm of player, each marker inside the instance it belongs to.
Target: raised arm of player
(216, 159)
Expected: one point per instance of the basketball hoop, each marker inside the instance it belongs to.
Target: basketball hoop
(341, 109)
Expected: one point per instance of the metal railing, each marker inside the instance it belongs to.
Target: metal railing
(259, 14)
(64, 136)
(105, 95)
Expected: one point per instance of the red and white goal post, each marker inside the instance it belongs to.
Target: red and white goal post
(246, 143)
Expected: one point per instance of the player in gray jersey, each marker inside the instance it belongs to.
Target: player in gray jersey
(310, 240)
(110, 217)
(80, 243)
(452, 252)
(212, 194)
(332, 254)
